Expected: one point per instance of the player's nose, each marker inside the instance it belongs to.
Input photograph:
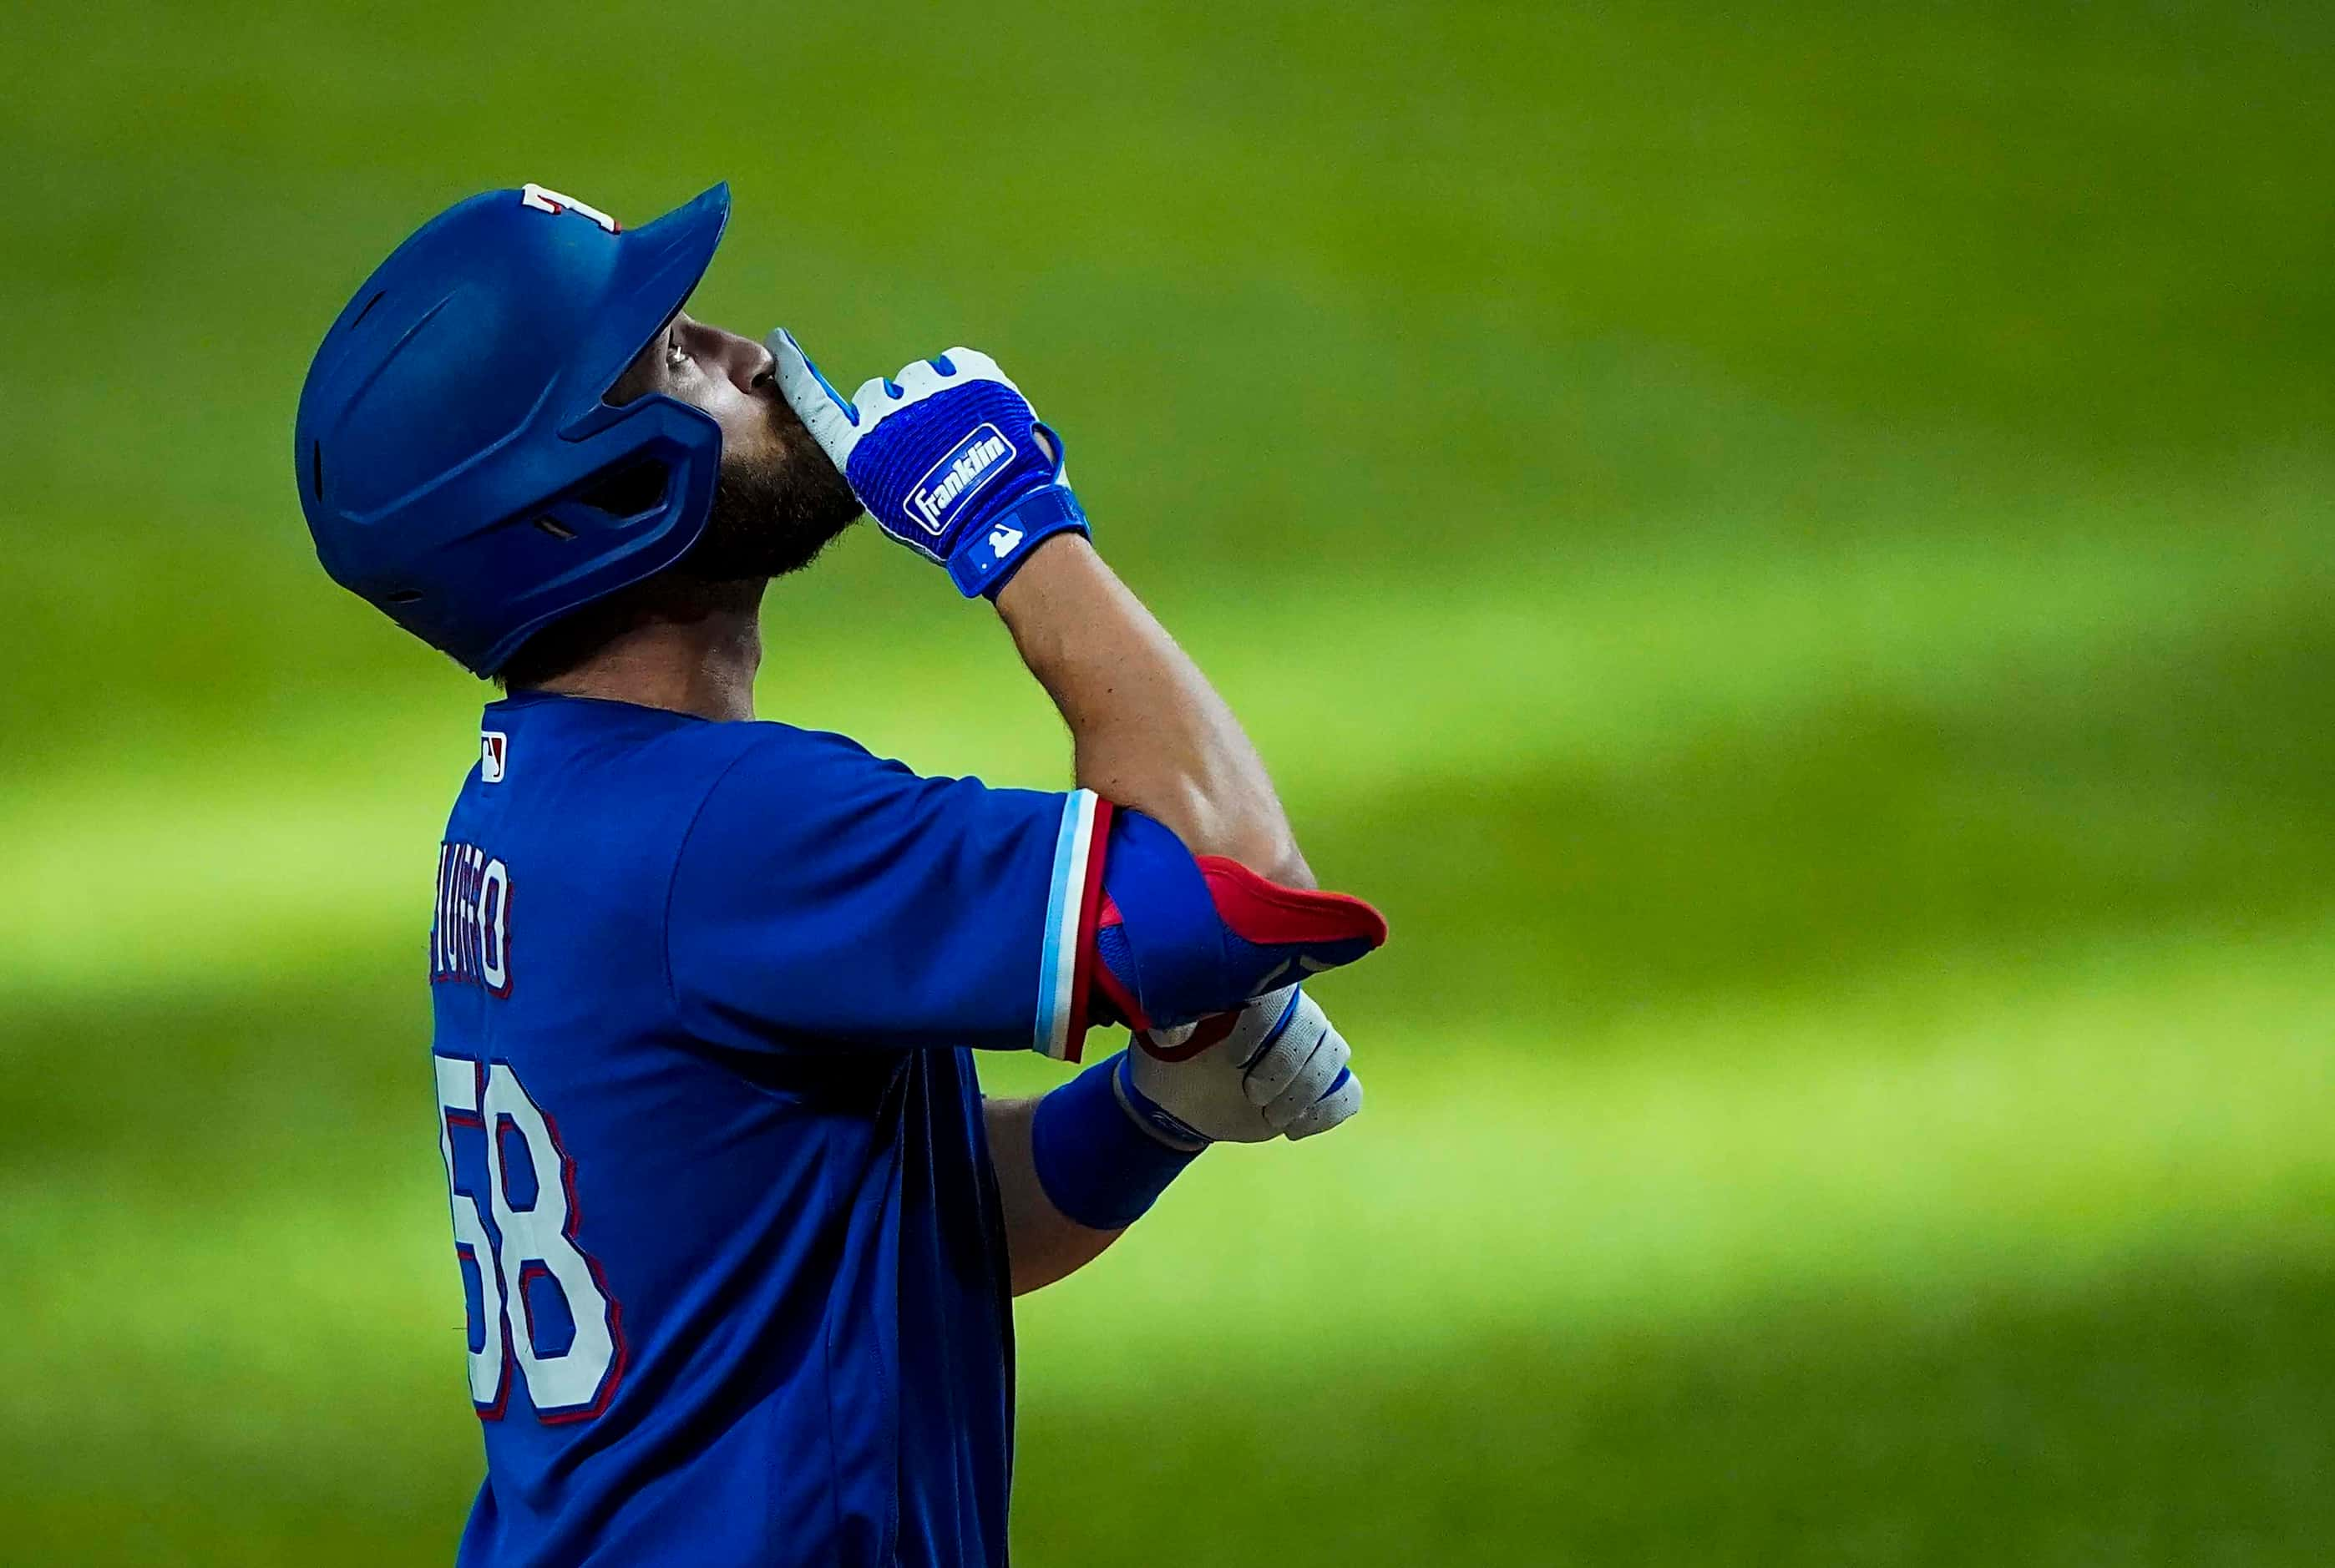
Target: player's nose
(746, 362)
(758, 373)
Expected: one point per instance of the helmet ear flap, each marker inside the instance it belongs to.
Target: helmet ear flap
(636, 507)
(624, 493)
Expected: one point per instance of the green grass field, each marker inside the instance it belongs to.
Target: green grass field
(1790, 553)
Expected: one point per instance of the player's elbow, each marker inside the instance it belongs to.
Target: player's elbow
(1257, 836)
(1180, 935)
(1275, 858)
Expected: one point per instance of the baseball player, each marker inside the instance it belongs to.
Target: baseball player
(738, 1233)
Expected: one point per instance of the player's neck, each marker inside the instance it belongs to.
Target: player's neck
(704, 666)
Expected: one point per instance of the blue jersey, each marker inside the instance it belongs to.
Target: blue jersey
(723, 1210)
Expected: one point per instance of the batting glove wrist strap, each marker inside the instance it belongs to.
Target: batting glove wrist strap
(1097, 1164)
(986, 560)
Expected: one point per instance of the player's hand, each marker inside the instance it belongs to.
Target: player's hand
(948, 459)
(1277, 1070)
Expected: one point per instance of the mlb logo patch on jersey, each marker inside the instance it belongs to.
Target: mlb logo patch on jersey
(494, 749)
(978, 458)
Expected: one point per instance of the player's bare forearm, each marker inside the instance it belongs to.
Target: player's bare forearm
(1041, 1244)
(992, 508)
(1148, 730)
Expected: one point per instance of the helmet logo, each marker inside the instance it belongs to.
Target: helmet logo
(543, 199)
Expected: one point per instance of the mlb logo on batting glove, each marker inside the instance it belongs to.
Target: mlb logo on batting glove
(985, 558)
(948, 459)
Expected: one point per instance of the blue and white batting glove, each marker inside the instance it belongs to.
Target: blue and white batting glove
(948, 459)
(1278, 1070)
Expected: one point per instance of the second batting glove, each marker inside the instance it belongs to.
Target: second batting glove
(1276, 1068)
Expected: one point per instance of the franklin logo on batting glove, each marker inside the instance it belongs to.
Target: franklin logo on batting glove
(959, 477)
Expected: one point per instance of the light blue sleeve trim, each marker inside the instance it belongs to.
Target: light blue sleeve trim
(1058, 959)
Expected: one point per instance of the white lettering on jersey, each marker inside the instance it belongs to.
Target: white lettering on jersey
(470, 941)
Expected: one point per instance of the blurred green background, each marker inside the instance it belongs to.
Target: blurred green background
(1789, 547)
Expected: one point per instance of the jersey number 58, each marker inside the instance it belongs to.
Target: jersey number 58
(538, 1251)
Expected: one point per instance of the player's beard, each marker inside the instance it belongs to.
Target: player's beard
(772, 513)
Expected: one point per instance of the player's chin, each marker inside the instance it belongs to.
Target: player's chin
(773, 513)
(798, 546)
(824, 508)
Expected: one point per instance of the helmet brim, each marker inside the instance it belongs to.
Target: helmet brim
(658, 267)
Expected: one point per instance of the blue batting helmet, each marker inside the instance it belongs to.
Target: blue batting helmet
(458, 464)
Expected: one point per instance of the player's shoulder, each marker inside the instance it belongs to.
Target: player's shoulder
(764, 753)
(582, 770)
(779, 784)
(818, 797)
(675, 757)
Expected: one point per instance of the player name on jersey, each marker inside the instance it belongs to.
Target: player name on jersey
(470, 941)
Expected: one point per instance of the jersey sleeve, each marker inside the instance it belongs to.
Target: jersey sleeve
(824, 897)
